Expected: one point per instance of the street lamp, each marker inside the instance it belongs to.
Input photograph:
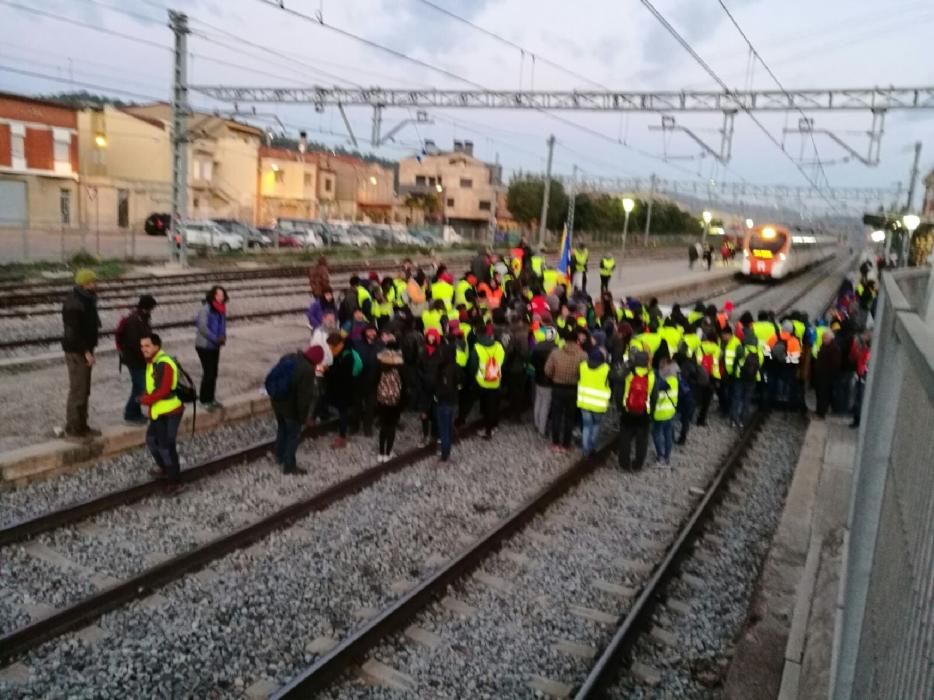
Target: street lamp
(707, 217)
(910, 222)
(628, 205)
(877, 236)
(749, 224)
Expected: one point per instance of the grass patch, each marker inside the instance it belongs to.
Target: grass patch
(106, 269)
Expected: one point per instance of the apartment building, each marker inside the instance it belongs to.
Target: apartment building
(927, 205)
(223, 156)
(126, 168)
(39, 163)
(464, 186)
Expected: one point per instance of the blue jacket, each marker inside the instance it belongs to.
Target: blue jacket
(210, 326)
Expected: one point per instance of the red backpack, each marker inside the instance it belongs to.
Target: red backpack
(707, 364)
(637, 401)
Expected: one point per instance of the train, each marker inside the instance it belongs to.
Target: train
(773, 252)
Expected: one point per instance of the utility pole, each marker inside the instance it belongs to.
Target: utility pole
(913, 180)
(178, 21)
(543, 220)
(571, 203)
(648, 211)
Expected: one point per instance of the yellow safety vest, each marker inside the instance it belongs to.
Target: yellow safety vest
(818, 339)
(443, 291)
(738, 367)
(692, 343)
(399, 287)
(672, 336)
(667, 404)
(593, 388)
(460, 293)
(763, 330)
(172, 402)
(650, 341)
(550, 280)
(709, 348)
(537, 264)
(580, 258)
(362, 296)
(799, 330)
(461, 353)
(694, 316)
(607, 265)
(432, 319)
(729, 355)
(484, 353)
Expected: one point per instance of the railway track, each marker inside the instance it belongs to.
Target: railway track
(113, 595)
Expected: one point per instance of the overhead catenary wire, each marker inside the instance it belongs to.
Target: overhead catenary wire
(730, 93)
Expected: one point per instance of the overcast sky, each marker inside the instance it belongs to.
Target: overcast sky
(616, 43)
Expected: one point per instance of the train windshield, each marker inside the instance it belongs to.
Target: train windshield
(767, 239)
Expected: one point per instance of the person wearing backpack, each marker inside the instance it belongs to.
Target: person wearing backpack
(389, 389)
(640, 395)
(563, 369)
(785, 351)
(131, 329)
(709, 374)
(486, 366)
(291, 389)
(747, 375)
(664, 411)
(688, 371)
(165, 410)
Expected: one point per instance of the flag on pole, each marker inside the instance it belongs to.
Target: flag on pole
(564, 260)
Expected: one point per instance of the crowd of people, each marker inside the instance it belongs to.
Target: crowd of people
(506, 333)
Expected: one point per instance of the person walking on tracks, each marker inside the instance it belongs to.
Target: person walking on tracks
(640, 396)
(79, 339)
(165, 410)
(211, 324)
(291, 389)
(130, 331)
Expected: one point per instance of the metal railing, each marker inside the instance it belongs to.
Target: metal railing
(884, 637)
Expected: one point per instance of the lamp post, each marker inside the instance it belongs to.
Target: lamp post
(910, 222)
(628, 205)
(707, 216)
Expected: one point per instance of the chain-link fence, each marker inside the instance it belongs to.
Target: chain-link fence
(885, 631)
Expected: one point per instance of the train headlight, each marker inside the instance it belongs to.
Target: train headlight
(782, 256)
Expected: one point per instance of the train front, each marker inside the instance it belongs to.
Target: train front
(765, 252)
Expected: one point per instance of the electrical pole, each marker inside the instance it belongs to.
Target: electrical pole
(178, 21)
(913, 180)
(571, 203)
(648, 212)
(542, 222)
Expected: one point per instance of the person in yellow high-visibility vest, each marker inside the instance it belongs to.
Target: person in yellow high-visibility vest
(665, 409)
(443, 290)
(593, 398)
(580, 256)
(486, 366)
(607, 267)
(165, 409)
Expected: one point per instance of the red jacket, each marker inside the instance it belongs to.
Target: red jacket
(859, 355)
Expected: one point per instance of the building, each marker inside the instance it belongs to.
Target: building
(126, 168)
(223, 158)
(39, 163)
(323, 185)
(462, 188)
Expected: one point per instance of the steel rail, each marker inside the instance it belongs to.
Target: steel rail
(83, 612)
(353, 648)
(81, 510)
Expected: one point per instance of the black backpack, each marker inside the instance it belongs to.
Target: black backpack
(750, 366)
(187, 393)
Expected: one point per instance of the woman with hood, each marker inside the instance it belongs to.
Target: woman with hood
(211, 325)
(320, 306)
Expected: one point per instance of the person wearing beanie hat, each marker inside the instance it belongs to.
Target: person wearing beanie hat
(291, 386)
(81, 325)
(131, 329)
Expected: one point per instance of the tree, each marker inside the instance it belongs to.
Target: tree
(429, 202)
(524, 200)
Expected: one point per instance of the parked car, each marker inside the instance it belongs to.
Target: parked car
(205, 234)
(252, 236)
(157, 224)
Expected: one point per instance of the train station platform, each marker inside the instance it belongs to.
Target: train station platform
(785, 650)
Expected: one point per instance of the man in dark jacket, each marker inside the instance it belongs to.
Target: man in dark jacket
(292, 411)
(340, 385)
(367, 347)
(79, 339)
(542, 407)
(826, 369)
(134, 328)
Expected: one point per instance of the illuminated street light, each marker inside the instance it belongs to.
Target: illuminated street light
(302, 142)
(100, 140)
(910, 222)
(749, 223)
(877, 236)
(373, 179)
(628, 205)
(707, 217)
(275, 168)
(439, 188)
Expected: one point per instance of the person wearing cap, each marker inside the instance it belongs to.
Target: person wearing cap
(293, 410)
(81, 325)
(130, 331)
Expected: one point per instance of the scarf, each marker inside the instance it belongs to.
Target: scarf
(220, 307)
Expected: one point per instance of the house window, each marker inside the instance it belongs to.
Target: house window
(280, 177)
(18, 145)
(62, 147)
(484, 205)
(466, 183)
(432, 181)
(204, 169)
(419, 180)
(328, 183)
(307, 179)
(123, 208)
(450, 202)
(64, 203)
